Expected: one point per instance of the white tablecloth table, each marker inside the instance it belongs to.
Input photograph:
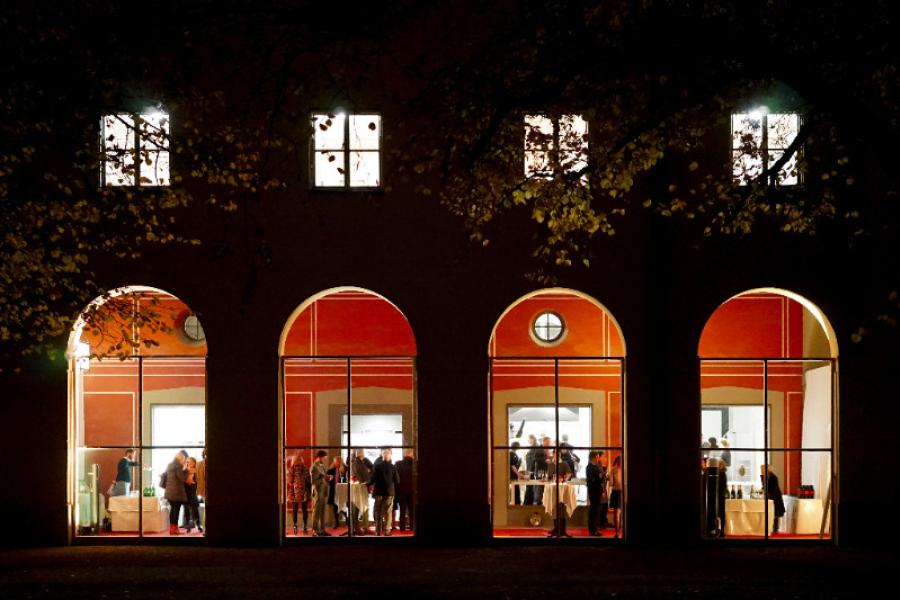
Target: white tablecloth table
(747, 516)
(123, 512)
(358, 493)
(568, 495)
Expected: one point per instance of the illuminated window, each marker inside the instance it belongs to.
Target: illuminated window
(128, 136)
(346, 151)
(548, 327)
(759, 140)
(555, 145)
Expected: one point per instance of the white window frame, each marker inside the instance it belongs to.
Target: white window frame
(346, 151)
(555, 148)
(134, 148)
(764, 148)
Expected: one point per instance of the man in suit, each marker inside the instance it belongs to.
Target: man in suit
(384, 486)
(596, 476)
(361, 470)
(406, 490)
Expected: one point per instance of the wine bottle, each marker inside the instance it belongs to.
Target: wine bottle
(740, 492)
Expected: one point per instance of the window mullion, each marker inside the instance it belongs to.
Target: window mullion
(347, 151)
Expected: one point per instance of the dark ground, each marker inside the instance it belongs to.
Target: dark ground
(412, 571)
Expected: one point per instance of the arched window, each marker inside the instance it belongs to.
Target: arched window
(348, 381)
(137, 398)
(557, 368)
(768, 369)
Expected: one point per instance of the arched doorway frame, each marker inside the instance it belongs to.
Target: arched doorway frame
(605, 357)
(349, 360)
(828, 525)
(79, 358)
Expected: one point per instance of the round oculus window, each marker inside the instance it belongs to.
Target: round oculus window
(548, 327)
(193, 329)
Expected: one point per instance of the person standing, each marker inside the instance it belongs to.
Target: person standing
(406, 490)
(123, 473)
(337, 473)
(615, 494)
(174, 485)
(201, 487)
(772, 492)
(361, 471)
(530, 462)
(596, 477)
(515, 463)
(192, 506)
(201, 476)
(319, 478)
(299, 490)
(384, 486)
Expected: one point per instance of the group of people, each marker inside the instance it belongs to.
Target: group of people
(391, 486)
(184, 482)
(546, 463)
(714, 463)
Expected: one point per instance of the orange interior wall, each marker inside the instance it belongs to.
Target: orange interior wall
(166, 308)
(760, 326)
(350, 323)
(591, 331)
(344, 323)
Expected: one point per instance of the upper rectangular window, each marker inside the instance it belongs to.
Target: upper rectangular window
(135, 149)
(555, 145)
(758, 141)
(346, 151)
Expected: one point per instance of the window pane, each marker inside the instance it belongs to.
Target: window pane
(573, 143)
(782, 129)
(742, 516)
(109, 404)
(746, 132)
(315, 402)
(174, 398)
(118, 149)
(154, 131)
(537, 164)
(746, 167)
(382, 407)
(538, 132)
(787, 174)
(118, 168)
(154, 168)
(118, 132)
(798, 486)
(365, 132)
(732, 396)
(328, 132)
(329, 169)
(365, 169)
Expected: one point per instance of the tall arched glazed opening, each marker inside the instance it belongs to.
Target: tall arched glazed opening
(348, 382)
(768, 372)
(557, 418)
(137, 411)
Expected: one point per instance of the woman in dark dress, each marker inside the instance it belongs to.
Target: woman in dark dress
(336, 474)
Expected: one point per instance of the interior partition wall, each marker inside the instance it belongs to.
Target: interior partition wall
(557, 381)
(768, 374)
(352, 407)
(129, 415)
